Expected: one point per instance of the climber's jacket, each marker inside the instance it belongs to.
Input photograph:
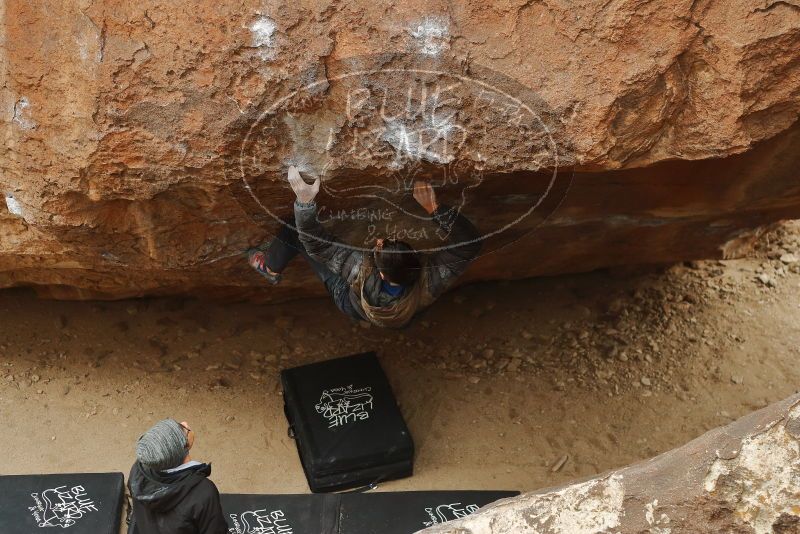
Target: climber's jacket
(460, 245)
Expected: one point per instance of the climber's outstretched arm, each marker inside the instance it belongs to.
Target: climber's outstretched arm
(319, 243)
(460, 247)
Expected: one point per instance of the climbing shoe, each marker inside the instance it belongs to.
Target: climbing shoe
(257, 258)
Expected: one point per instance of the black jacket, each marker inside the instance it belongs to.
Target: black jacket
(186, 502)
(461, 242)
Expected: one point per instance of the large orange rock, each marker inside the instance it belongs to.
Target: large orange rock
(146, 143)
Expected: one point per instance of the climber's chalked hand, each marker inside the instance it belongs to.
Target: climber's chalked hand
(305, 192)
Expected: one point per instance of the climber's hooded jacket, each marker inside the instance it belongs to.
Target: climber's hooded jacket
(184, 502)
(461, 244)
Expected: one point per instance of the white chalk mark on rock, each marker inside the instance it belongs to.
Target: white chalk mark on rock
(13, 205)
(429, 142)
(263, 33)
(89, 51)
(657, 526)
(718, 469)
(432, 35)
(83, 50)
(22, 114)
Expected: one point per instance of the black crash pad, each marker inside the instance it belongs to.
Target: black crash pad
(406, 512)
(402, 512)
(347, 424)
(281, 514)
(81, 503)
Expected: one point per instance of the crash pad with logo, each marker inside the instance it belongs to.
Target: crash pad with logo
(80, 503)
(406, 512)
(281, 514)
(346, 422)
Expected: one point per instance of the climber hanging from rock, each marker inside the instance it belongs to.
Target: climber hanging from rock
(386, 287)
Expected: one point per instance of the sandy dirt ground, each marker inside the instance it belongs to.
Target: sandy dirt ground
(516, 385)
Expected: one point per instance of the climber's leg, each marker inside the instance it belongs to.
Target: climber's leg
(271, 258)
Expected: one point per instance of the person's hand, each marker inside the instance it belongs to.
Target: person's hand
(425, 196)
(305, 192)
(189, 434)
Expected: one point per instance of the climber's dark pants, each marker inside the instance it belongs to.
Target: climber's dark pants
(287, 245)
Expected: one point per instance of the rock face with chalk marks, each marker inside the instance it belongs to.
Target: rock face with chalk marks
(125, 126)
(738, 478)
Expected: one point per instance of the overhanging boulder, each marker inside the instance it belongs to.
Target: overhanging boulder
(145, 145)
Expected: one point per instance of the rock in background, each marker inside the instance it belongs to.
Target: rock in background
(742, 478)
(123, 126)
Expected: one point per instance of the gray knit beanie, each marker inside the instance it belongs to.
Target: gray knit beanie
(163, 446)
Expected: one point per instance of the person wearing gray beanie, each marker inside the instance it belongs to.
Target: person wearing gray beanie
(164, 446)
(172, 493)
